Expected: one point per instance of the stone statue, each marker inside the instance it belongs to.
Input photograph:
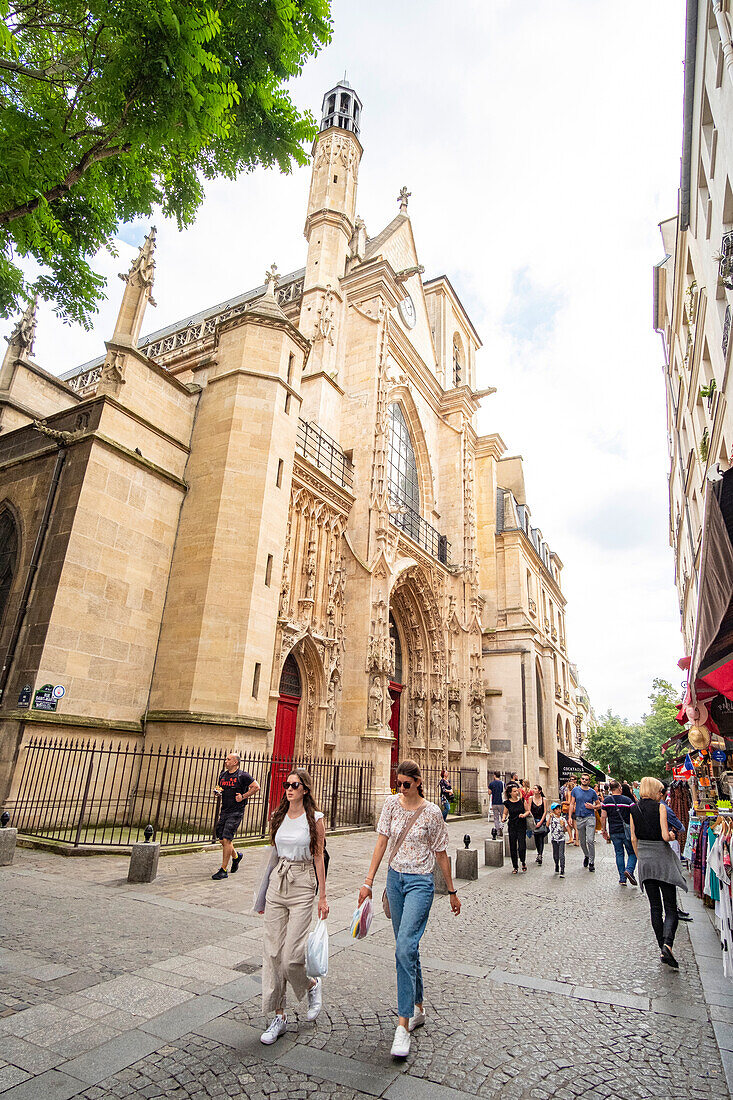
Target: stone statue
(454, 722)
(419, 713)
(436, 723)
(24, 334)
(478, 727)
(376, 695)
(331, 710)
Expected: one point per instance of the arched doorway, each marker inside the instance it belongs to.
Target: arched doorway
(286, 720)
(395, 694)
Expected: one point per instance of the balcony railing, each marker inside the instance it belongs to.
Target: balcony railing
(314, 444)
(405, 518)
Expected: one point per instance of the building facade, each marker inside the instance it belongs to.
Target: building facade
(693, 295)
(274, 524)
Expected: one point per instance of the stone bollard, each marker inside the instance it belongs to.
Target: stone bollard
(493, 853)
(441, 886)
(8, 838)
(531, 845)
(467, 863)
(506, 843)
(144, 859)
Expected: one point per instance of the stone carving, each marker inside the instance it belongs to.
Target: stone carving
(419, 720)
(376, 699)
(331, 710)
(478, 727)
(142, 271)
(326, 324)
(454, 722)
(436, 723)
(112, 378)
(23, 335)
(403, 198)
(339, 149)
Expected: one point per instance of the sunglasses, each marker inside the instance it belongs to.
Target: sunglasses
(406, 783)
(293, 786)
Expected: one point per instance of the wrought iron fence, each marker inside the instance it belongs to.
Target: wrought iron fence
(415, 527)
(84, 793)
(315, 444)
(464, 783)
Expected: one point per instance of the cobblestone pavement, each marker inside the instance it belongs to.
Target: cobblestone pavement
(542, 987)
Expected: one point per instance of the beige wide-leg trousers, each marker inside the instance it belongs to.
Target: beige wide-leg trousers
(288, 915)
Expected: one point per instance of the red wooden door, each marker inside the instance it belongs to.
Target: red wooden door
(395, 691)
(284, 747)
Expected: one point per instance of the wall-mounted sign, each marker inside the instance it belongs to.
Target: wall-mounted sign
(24, 699)
(59, 691)
(44, 699)
(719, 755)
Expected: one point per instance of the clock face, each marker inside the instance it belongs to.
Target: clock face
(407, 311)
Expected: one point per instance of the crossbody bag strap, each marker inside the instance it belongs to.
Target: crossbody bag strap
(403, 835)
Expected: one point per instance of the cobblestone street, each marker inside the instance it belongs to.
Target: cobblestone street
(542, 987)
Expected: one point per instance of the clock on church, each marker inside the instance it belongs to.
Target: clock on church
(407, 311)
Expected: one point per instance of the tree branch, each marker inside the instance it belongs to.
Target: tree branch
(36, 74)
(92, 156)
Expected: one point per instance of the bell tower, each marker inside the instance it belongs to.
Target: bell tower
(329, 225)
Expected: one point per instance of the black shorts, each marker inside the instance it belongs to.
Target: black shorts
(227, 824)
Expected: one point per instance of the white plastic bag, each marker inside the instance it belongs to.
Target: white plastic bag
(316, 953)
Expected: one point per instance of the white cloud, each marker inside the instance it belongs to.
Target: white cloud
(541, 142)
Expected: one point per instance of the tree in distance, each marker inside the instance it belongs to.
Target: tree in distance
(630, 751)
(109, 108)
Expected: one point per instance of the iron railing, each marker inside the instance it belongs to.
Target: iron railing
(415, 527)
(464, 782)
(317, 446)
(87, 793)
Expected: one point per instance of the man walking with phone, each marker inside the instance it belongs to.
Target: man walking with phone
(584, 801)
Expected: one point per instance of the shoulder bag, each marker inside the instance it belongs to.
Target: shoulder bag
(626, 824)
(398, 844)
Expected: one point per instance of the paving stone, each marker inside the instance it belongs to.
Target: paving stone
(673, 1006)
(364, 1076)
(141, 996)
(412, 1088)
(241, 989)
(610, 997)
(185, 1017)
(724, 1035)
(11, 1075)
(111, 1057)
(55, 1084)
(27, 1055)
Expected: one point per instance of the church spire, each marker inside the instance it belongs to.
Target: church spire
(137, 293)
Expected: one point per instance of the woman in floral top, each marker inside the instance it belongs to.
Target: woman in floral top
(410, 887)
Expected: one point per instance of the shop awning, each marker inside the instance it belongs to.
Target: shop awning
(592, 770)
(567, 767)
(712, 650)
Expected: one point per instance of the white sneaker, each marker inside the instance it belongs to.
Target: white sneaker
(417, 1020)
(401, 1044)
(315, 1000)
(277, 1028)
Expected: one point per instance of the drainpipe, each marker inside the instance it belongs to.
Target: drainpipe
(33, 567)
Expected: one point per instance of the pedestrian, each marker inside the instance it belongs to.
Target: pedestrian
(659, 870)
(558, 826)
(516, 814)
(538, 807)
(675, 829)
(235, 787)
(635, 790)
(446, 793)
(575, 782)
(626, 790)
(513, 782)
(526, 791)
(583, 803)
(298, 834)
(417, 838)
(615, 819)
(496, 787)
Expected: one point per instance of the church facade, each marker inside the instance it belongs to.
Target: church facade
(274, 525)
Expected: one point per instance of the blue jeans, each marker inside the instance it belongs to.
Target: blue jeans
(410, 898)
(621, 846)
(444, 808)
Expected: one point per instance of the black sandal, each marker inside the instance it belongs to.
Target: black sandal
(668, 958)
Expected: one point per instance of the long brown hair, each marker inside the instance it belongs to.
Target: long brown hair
(412, 770)
(309, 805)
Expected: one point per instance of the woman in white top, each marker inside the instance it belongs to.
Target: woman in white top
(297, 832)
(410, 888)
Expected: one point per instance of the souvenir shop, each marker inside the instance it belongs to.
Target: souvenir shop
(701, 754)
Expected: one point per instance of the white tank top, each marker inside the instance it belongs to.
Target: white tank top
(293, 838)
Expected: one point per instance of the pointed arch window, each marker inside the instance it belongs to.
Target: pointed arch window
(457, 361)
(404, 486)
(8, 557)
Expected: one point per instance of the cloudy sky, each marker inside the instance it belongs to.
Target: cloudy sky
(541, 143)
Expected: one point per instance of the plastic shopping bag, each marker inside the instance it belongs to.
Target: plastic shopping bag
(316, 953)
(361, 920)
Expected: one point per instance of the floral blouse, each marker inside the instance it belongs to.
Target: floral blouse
(426, 837)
